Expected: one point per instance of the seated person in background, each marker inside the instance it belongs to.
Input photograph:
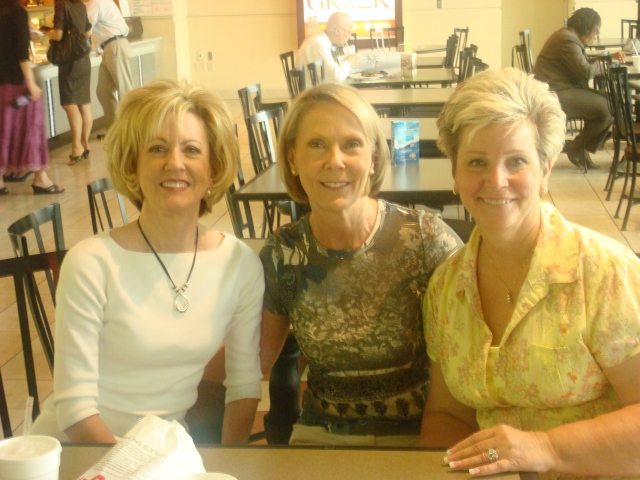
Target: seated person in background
(318, 47)
(349, 277)
(533, 328)
(143, 308)
(565, 66)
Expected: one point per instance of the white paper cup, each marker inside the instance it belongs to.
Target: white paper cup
(636, 61)
(209, 476)
(39, 460)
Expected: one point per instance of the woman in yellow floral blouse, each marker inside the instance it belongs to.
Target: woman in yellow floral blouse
(533, 328)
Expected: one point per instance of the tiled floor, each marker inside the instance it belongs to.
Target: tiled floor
(579, 197)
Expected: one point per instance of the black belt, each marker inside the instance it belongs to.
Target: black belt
(366, 426)
(109, 40)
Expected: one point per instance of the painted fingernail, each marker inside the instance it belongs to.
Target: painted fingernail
(449, 452)
(454, 464)
(445, 460)
(474, 471)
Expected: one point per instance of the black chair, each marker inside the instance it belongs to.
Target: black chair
(520, 58)
(525, 39)
(98, 187)
(462, 34)
(354, 41)
(452, 51)
(5, 420)
(240, 221)
(313, 67)
(632, 26)
(393, 36)
(605, 62)
(251, 101)
(298, 80)
(287, 65)
(465, 63)
(261, 129)
(17, 235)
(284, 394)
(619, 84)
(22, 268)
(463, 228)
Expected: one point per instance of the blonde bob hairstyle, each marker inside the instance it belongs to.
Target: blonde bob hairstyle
(510, 97)
(349, 98)
(143, 113)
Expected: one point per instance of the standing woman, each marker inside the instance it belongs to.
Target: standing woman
(23, 144)
(74, 78)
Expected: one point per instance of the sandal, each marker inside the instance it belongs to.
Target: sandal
(51, 190)
(86, 153)
(4, 191)
(73, 160)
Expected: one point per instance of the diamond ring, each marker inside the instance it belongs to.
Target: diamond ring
(492, 455)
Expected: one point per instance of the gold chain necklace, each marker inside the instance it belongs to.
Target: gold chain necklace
(509, 296)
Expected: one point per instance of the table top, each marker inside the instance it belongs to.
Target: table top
(269, 463)
(602, 43)
(429, 48)
(428, 181)
(406, 96)
(420, 77)
(422, 61)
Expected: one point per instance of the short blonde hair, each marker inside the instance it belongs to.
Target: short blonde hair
(350, 99)
(143, 113)
(510, 97)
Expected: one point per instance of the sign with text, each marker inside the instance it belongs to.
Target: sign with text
(151, 8)
(366, 14)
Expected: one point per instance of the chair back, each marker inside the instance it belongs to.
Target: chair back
(32, 222)
(298, 80)
(452, 51)
(97, 188)
(240, 220)
(465, 63)
(287, 64)
(20, 269)
(462, 34)
(316, 72)
(520, 58)
(354, 41)
(261, 129)
(632, 26)
(525, 39)
(5, 420)
(393, 36)
(250, 99)
(622, 104)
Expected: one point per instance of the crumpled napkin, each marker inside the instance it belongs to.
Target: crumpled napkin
(154, 449)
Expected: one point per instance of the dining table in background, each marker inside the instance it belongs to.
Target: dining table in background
(604, 43)
(300, 463)
(427, 182)
(430, 48)
(404, 102)
(421, 77)
(427, 61)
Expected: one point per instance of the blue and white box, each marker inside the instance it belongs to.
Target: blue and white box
(405, 141)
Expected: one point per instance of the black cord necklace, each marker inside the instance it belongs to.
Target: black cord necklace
(181, 303)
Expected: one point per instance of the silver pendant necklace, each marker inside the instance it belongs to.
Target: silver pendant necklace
(181, 302)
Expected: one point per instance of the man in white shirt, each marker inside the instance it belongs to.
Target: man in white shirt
(110, 34)
(318, 47)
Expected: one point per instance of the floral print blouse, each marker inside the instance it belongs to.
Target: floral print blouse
(357, 314)
(578, 311)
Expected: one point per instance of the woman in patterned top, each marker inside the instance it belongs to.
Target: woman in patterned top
(533, 328)
(349, 277)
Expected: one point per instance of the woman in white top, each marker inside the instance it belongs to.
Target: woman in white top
(142, 309)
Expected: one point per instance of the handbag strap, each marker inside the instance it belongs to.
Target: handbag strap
(71, 27)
